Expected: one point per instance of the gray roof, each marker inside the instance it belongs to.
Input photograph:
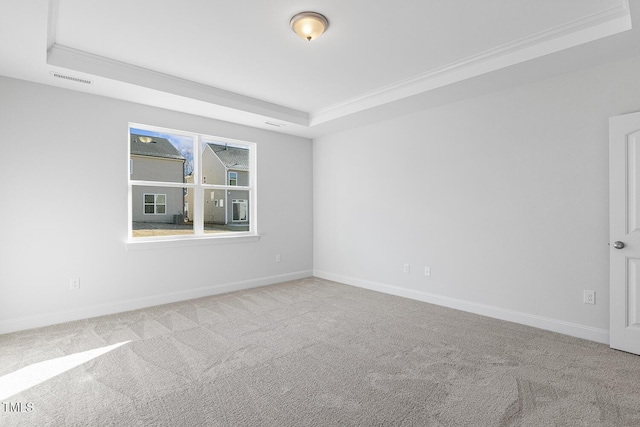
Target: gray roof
(232, 157)
(157, 147)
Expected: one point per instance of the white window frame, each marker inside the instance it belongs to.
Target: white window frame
(198, 187)
(155, 203)
(235, 179)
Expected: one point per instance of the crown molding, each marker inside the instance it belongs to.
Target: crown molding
(593, 27)
(85, 62)
(611, 21)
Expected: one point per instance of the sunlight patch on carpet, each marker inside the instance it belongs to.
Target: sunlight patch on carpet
(37, 373)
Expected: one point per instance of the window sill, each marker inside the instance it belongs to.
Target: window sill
(159, 243)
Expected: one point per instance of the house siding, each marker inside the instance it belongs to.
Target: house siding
(174, 204)
(243, 177)
(215, 173)
(157, 169)
(243, 180)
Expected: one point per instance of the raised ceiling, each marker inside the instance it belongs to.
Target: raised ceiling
(240, 61)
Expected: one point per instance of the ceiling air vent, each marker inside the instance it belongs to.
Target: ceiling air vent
(278, 125)
(71, 78)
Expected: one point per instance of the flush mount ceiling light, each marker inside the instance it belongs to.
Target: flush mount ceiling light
(309, 25)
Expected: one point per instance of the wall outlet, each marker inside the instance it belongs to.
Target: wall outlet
(74, 284)
(277, 257)
(589, 297)
(406, 268)
(427, 271)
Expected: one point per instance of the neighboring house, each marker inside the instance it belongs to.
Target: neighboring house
(223, 165)
(156, 159)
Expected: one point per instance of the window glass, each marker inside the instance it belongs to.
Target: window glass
(155, 156)
(211, 205)
(225, 163)
(160, 213)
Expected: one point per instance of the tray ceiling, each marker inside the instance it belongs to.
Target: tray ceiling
(240, 61)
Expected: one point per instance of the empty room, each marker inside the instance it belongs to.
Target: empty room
(320, 213)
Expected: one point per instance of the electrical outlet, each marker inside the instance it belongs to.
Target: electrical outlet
(74, 284)
(277, 257)
(589, 297)
(427, 271)
(406, 268)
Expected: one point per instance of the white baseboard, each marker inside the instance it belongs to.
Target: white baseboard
(19, 324)
(560, 326)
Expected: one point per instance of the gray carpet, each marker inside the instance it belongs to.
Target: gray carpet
(317, 353)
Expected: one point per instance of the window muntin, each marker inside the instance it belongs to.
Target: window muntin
(155, 204)
(191, 207)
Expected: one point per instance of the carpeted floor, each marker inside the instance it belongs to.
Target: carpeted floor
(313, 353)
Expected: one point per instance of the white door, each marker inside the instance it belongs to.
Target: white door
(624, 217)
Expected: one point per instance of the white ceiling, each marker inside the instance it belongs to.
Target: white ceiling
(240, 61)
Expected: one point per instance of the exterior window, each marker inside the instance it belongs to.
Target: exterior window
(239, 210)
(155, 204)
(170, 198)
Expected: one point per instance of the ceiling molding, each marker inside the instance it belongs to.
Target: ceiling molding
(608, 22)
(85, 62)
(52, 22)
(205, 99)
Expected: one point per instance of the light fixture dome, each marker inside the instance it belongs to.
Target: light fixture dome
(309, 25)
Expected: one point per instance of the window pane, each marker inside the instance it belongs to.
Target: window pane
(159, 156)
(231, 215)
(224, 163)
(168, 218)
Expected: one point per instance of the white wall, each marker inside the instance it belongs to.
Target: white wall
(504, 196)
(63, 214)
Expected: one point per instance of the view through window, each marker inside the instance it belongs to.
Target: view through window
(185, 184)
